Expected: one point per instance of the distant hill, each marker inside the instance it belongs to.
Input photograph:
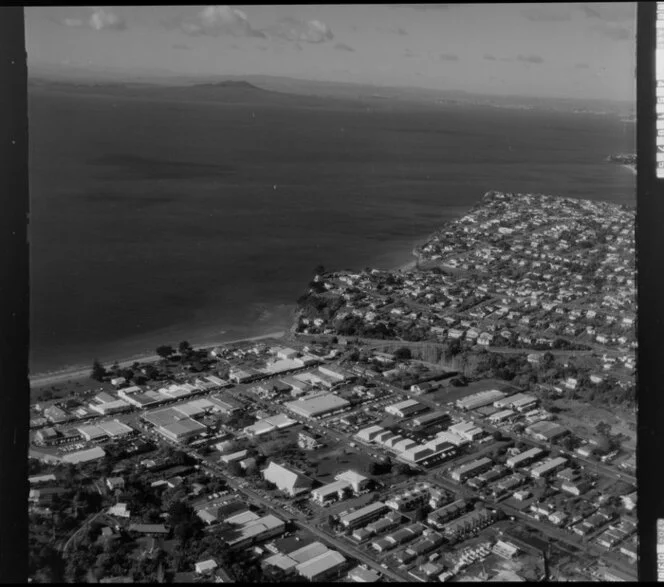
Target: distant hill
(233, 84)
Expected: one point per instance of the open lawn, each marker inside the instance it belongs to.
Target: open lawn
(334, 461)
(581, 419)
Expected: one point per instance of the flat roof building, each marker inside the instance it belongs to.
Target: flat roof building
(318, 406)
(363, 515)
(406, 408)
(323, 566)
(524, 458)
(84, 456)
(548, 467)
(546, 431)
(480, 399)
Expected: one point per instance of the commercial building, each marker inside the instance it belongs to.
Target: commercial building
(524, 458)
(287, 480)
(92, 433)
(251, 531)
(437, 417)
(471, 469)
(116, 429)
(546, 431)
(520, 402)
(466, 430)
(362, 575)
(225, 404)
(337, 490)
(406, 408)
(324, 566)
(480, 399)
(174, 425)
(318, 406)
(269, 424)
(547, 468)
(105, 404)
(84, 456)
(358, 482)
(363, 515)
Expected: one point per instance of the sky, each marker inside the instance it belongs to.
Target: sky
(571, 50)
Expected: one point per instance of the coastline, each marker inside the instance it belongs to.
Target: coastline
(632, 168)
(39, 380)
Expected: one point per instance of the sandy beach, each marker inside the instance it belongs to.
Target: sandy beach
(47, 379)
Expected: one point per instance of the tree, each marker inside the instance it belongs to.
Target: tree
(497, 436)
(403, 354)
(319, 270)
(184, 348)
(165, 351)
(603, 429)
(98, 371)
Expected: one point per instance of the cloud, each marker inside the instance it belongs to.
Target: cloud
(180, 46)
(220, 20)
(449, 57)
(293, 29)
(547, 13)
(100, 20)
(488, 57)
(409, 53)
(530, 59)
(400, 31)
(581, 66)
(343, 47)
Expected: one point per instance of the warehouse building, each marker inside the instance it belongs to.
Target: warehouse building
(324, 566)
(520, 402)
(84, 456)
(369, 434)
(480, 399)
(173, 425)
(546, 431)
(321, 405)
(406, 408)
(364, 515)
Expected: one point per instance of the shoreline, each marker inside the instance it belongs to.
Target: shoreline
(74, 373)
(632, 168)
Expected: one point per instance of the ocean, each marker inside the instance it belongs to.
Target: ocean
(154, 221)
